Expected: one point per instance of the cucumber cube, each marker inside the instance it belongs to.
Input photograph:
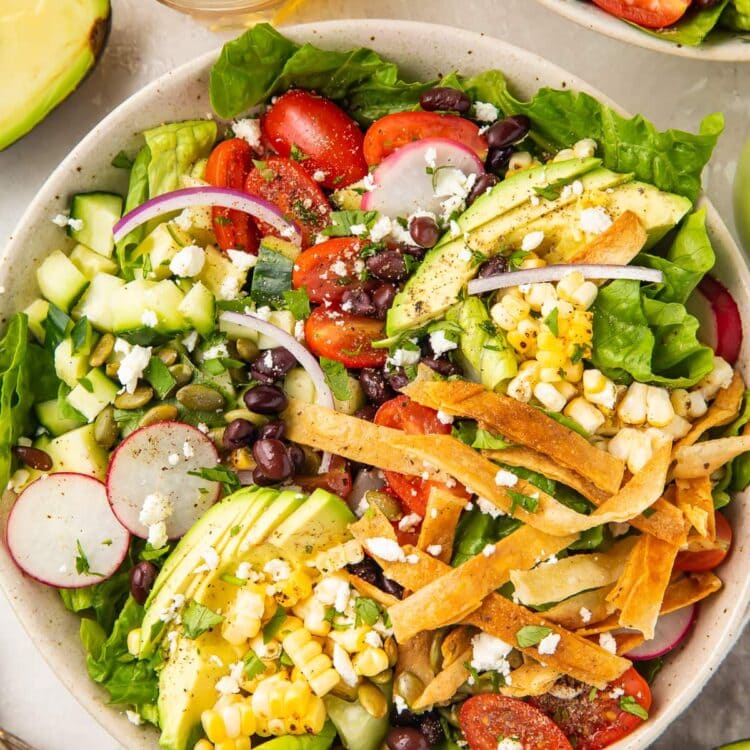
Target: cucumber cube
(97, 301)
(160, 247)
(92, 394)
(78, 451)
(282, 319)
(60, 281)
(220, 275)
(49, 416)
(98, 212)
(37, 312)
(70, 366)
(135, 298)
(298, 384)
(199, 309)
(90, 263)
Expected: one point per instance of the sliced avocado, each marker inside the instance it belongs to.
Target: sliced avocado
(486, 357)
(278, 511)
(321, 741)
(46, 49)
(320, 522)
(358, 730)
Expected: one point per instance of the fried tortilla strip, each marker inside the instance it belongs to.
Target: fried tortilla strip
(640, 590)
(522, 424)
(628, 641)
(530, 679)
(582, 609)
(722, 411)
(445, 684)
(414, 657)
(439, 524)
(694, 499)
(704, 458)
(571, 575)
(616, 246)
(364, 588)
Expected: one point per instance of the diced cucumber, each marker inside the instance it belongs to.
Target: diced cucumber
(162, 298)
(298, 384)
(272, 276)
(92, 394)
(282, 319)
(49, 416)
(282, 247)
(70, 366)
(60, 281)
(96, 302)
(36, 312)
(181, 237)
(220, 275)
(234, 331)
(199, 309)
(160, 247)
(356, 398)
(77, 451)
(349, 198)
(90, 263)
(99, 212)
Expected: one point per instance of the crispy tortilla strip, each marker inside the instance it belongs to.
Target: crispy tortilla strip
(439, 524)
(571, 575)
(367, 589)
(722, 411)
(704, 458)
(628, 641)
(414, 657)
(530, 679)
(640, 590)
(523, 424)
(593, 604)
(445, 684)
(455, 643)
(616, 246)
(694, 499)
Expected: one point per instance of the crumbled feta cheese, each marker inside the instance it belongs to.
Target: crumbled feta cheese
(173, 459)
(485, 112)
(230, 288)
(616, 693)
(343, 665)
(488, 507)
(190, 341)
(531, 241)
(188, 262)
(61, 220)
(210, 559)
(214, 659)
(299, 330)
(134, 717)
(509, 743)
(505, 478)
(489, 550)
(133, 364)
(585, 614)
(216, 352)
(489, 654)
(244, 571)
(595, 220)
(75, 224)
(156, 507)
(386, 549)
(577, 187)
(430, 157)
(334, 591)
(400, 704)
(608, 642)
(149, 319)
(434, 549)
(357, 230)
(465, 255)
(381, 229)
(171, 613)
(535, 200)
(157, 535)
(404, 357)
(339, 268)
(548, 645)
(249, 130)
(203, 427)
(264, 313)
(242, 261)
(455, 231)
(444, 417)
(410, 522)
(319, 175)
(278, 569)
(227, 685)
(440, 343)
(373, 639)
(184, 221)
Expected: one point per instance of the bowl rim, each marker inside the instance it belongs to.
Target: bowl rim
(725, 46)
(90, 696)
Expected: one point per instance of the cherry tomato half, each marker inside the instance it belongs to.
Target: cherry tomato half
(285, 184)
(592, 721)
(389, 133)
(345, 338)
(402, 413)
(653, 14)
(487, 719)
(320, 135)
(228, 166)
(694, 560)
(328, 270)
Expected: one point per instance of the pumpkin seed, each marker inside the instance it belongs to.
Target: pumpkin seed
(382, 678)
(159, 413)
(436, 653)
(111, 369)
(168, 356)
(409, 687)
(391, 650)
(372, 700)
(342, 690)
(181, 373)
(389, 505)
(247, 350)
(106, 430)
(135, 400)
(200, 397)
(102, 350)
(257, 419)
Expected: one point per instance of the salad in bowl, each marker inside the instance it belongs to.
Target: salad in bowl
(373, 412)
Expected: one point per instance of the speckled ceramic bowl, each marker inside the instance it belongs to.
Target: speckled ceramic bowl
(424, 50)
(721, 45)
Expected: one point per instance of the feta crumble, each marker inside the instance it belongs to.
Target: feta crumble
(133, 364)
(430, 157)
(505, 478)
(489, 654)
(410, 522)
(509, 743)
(278, 569)
(380, 229)
(489, 550)
(319, 175)
(187, 450)
(585, 614)
(188, 262)
(156, 507)
(548, 645)
(386, 549)
(595, 220)
(434, 549)
(134, 717)
(608, 642)
(444, 417)
(531, 241)
(173, 459)
(157, 535)
(210, 559)
(357, 230)
(242, 261)
(404, 357)
(485, 112)
(190, 341)
(440, 343)
(149, 319)
(488, 507)
(249, 130)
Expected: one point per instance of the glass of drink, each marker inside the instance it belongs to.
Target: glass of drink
(234, 12)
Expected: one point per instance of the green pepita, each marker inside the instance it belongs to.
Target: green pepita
(200, 397)
(102, 350)
(106, 430)
(135, 400)
(159, 413)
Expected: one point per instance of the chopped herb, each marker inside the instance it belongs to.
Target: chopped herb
(579, 352)
(197, 619)
(593, 693)
(307, 214)
(631, 706)
(223, 221)
(649, 668)
(229, 480)
(213, 366)
(474, 674)
(477, 258)
(367, 611)
(235, 530)
(159, 376)
(530, 635)
(337, 378)
(343, 221)
(403, 222)
(330, 614)
(274, 624)
(488, 327)
(82, 562)
(56, 326)
(518, 499)
(107, 542)
(253, 666)
(285, 660)
(410, 262)
(551, 322)
(552, 191)
(297, 153)
(122, 161)
(343, 281)
(297, 302)
(648, 512)
(337, 180)
(264, 170)
(373, 248)
(516, 259)
(80, 334)
(86, 384)
(232, 580)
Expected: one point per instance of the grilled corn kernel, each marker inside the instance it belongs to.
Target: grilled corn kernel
(313, 614)
(237, 743)
(520, 160)
(585, 148)
(134, 640)
(633, 447)
(566, 390)
(572, 371)
(718, 379)
(532, 260)
(586, 414)
(295, 588)
(585, 295)
(519, 388)
(568, 284)
(680, 399)
(659, 409)
(325, 682)
(502, 317)
(338, 557)
(599, 389)
(242, 459)
(564, 155)
(308, 656)
(203, 745)
(213, 726)
(243, 621)
(550, 375)
(698, 406)
(677, 428)
(538, 294)
(549, 397)
(632, 409)
(370, 662)
(351, 639)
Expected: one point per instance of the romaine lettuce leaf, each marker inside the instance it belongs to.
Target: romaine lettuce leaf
(137, 194)
(737, 15)
(692, 29)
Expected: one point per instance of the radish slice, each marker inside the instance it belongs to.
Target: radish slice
(557, 272)
(728, 323)
(61, 526)
(207, 196)
(157, 460)
(671, 630)
(422, 176)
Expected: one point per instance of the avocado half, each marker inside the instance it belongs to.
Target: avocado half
(47, 47)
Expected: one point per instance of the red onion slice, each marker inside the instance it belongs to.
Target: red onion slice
(207, 196)
(557, 272)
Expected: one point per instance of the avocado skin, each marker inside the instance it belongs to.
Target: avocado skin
(40, 101)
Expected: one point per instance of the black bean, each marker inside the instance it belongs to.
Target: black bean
(266, 399)
(442, 366)
(445, 99)
(393, 588)
(142, 577)
(357, 302)
(272, 364)
(398, 379)
(366, 412)
(429, 725)
(492, 267)
(508, 131)
(498, 158)
(375, 385)
(33, 457)
(382, 299)
(274, 429)
(272, 459)
(367, 569)
(387, 266)
(406, 738)
(405, 718)
(481, 186)
(415, 251)
(424, 231)
(260, 478)
(238, 433)
(296, 456)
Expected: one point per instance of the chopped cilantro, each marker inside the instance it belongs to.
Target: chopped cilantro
(274, 624)
(297, 302)
(197, 619)
(530, 635)
(519, 500)
(551, 322)
(82, 562)
(631, 706)
(229, 480)
(336, 377)
(253, 666)
(367, 611)
(122, 161)
(297, 154)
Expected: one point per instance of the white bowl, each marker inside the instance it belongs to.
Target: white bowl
(720, 45)
(423, 50)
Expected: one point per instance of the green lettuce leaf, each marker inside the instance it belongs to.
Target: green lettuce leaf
(475, 530)
(737, 15)
(692, 29)
(137, 194)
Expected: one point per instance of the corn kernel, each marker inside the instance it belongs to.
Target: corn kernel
(232, 722)
(568, 284)
(599, 389)
(351, 639)
(549, 396)
(564, 310)
(519, 161)
(572, 371)
(633, 447)
(324, 682)
(680, 399)
(203, 744)
(538, 294)
(659, 409)
(502, 317)
(566, 390)
(564, 155)
(370, 662)
(315, 716)
(632, 408)
(585, 148)
(289, 625)
(718, 379)
(519, 388)
(213, 726)
(134, 641)
(532, 260)
(698, 406)
(585, 295)
(244, 618)
(677, 428)
(247, 719)
(586, 414)
(313, 613)
(550, 375)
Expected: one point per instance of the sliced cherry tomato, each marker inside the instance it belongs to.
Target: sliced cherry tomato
(320, 135)
(328, 270)
(228, 166)
(727, 320)
(694, 560)
(346, 338)
(594, 720)
(653, 14)
(285, 184)
(337, 479)
(402, 413)
(487, 719)
(389, 133)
